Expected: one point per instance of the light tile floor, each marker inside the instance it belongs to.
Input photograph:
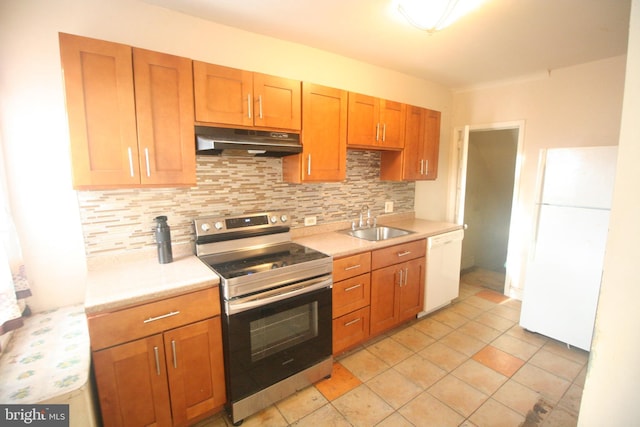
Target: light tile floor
(469, 364)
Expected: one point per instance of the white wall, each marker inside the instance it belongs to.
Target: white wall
(612, 386)
(576, 106)
(34, 128)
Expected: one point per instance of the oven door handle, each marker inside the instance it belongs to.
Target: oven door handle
(300, 288)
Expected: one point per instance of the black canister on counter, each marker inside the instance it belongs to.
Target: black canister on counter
(163, 239)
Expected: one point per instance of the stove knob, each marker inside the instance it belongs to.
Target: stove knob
(284, 218)
(274, 219)
(205, 227)
(218, 225)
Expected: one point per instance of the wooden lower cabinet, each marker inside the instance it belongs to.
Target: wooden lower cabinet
(397, 290)
(350, 300)
(161, 363)
(169, 379)
(132, 383)
(350, 329)
(376, 291)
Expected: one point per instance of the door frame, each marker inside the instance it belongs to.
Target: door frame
(458, 178)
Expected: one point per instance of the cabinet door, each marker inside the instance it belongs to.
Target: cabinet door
(222, 95)
(132, 383)
(277, 102)
(384, 298)
(364, 114)
(392, 122)
(196, 370)
(414, 143)
(411, 298)
(324, 137)
(164, 112)
(431, 144)
(419, 158)
(98, 80)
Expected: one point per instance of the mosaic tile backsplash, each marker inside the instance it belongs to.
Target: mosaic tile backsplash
(115, 221)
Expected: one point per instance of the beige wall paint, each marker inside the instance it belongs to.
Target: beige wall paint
(612, 386)
(34, 127)
(570, 107)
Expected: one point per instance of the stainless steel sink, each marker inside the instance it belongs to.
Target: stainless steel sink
(375, 234)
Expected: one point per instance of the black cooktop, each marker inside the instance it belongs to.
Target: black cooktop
(256, 261)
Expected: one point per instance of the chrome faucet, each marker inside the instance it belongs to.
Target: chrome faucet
(364, 209)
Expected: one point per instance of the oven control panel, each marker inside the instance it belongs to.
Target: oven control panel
(208, 226)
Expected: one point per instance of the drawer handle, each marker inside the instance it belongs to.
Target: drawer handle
(164, 316)
(405, 253)
(350, 288)
(353, 267)
(352, 322)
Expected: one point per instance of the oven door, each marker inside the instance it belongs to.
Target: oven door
(271, 341)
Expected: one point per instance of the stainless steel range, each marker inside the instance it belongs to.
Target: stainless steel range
(276, 308)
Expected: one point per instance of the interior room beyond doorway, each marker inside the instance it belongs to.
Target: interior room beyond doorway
(491, 162)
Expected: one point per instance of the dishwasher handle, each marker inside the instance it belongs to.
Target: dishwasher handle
(444, 238)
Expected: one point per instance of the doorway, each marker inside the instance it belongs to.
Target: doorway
(488, 169)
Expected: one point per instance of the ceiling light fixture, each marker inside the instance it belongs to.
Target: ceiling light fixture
(434, 15)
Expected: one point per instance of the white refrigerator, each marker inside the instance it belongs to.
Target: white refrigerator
(562, 283)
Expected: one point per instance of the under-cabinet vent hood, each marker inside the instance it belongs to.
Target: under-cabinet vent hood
(245, 142)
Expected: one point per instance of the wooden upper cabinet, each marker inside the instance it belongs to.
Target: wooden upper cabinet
(130, 115)
(223, 94)
(276, 102)
(375, 123)
(233, 97)
(419, 159)
(392, 119)
(431, 148)
(324, 137)
(164, 112)
(98, 78)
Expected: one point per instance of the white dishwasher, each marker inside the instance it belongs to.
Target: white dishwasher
(442, 284)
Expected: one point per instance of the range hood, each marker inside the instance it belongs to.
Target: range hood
(245, 142)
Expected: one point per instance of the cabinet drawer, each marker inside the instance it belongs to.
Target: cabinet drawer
(351, 294)
(350, 329)
(351, 266)
(399, 253)
(113, 328)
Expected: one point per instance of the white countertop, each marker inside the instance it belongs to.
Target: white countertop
(116, 282)
(338, 244)
(119, 282)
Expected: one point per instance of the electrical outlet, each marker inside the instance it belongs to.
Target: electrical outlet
(310, 220)
(388, 207)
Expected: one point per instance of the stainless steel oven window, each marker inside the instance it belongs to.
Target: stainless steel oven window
(277, 332)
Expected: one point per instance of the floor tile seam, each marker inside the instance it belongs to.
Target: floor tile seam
(524, 417)
(541, 394)
(504, 317)
(571, 380)
(524, 342)
(428, 390)
(565, 407)
(507, 352)
(476, 388)
(378, 396)
(335, 409)
(389, 403)
(410, 378)
(552, 373)
(582, 364)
